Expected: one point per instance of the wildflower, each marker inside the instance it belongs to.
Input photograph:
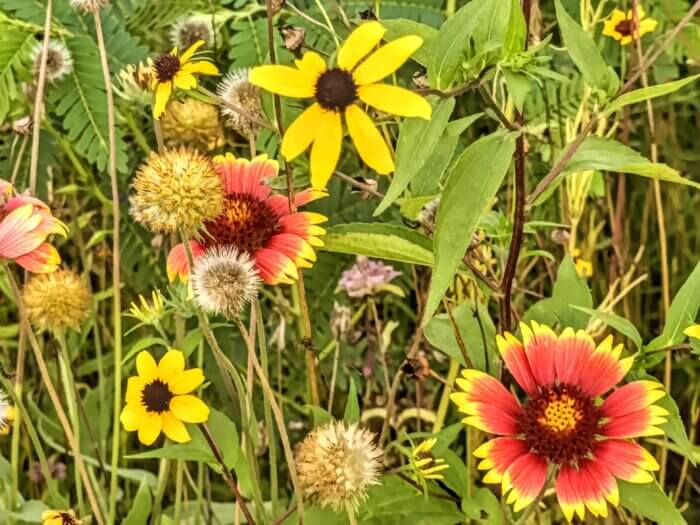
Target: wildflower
(25, 223)
(693, 331)
(562, 423)
(237, 91)
(192, 123)
(57, 470)
(59, 62)
(189, 30)
(56, 301)
(425, 465)
(224, 281)
(148, 313)
(8, 414)
(176, 189)
(59, 517)
(179, 70)
(335, 91)
(625, 28)
(368, 277)
(257, 223)
(135, 82)
(158, 398)
(89, 6)
(337, 464)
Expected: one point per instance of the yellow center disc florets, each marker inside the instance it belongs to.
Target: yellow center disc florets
(561, 414)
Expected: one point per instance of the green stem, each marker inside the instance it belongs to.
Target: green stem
(179, 468)
(163, 471)
(445, 398)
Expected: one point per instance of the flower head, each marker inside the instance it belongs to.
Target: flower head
(177, 188)
(59, 517)
(89, 6)
(336, 89)
(25, 223)
(425, 465)
(257, 223)
(189, 30)
(159, 399)
(224, 281)
(7, 414)
(59, 62)
(148, 313)
(237, 91)
(367, 277)
(562, 421)
(135, 82)
(337, 464)
(627, 28)
(192, 123)
(56, 301)
(178, 70)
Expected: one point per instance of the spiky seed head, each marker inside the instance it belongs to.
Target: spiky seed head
(135, 82)
(337, 464)
(56, 301)
(190, 29)
(89, 6)
(176, 189)
(59, 62)
(224, 281)
(236, 91)
(194, 123)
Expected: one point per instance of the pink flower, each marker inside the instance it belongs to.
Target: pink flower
(366, 277)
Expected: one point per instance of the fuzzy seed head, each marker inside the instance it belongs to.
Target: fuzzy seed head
(236, 90)
(89, 6)
(135, 82)
(190, 29)
(178, 188)
(337, 464)
(194, 123)
(59, 62)
(56, 301)
(224, 281)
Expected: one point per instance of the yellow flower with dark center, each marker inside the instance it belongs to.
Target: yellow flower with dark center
(336, 89)
(159, 398)
(425, 465)
(59, 517)
(178, 70)
(627, 28)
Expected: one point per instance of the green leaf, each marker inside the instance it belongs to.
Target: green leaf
(570, 289)
(515, 32)
(675, 429)
(352, 406)
(519, 87)
(471, 186)
(141, 508)
(384, 241)
(649, 501)
(417, 140)
(14, 46)
(320, 415)
(399, 27)
(620, 324)
(647, 93)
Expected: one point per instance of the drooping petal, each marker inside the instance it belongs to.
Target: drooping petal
(524, 480)
(17, 232)
(174, 428)
(387, 59)
(187, 381)
(325, 151)
(513, 354)
(43, 259)
(369, 143)
(191, 51)
(283, 80)
(177, 264)
(275, 267)
(149, 428)
(184, 80)
(189, 409)
(162, 96)
(359, 43)
(146, 366)
(540, 344)
(171, 365)
(497, 455)
(626, 460)
(301, 132)
(570, 360)
(395, 100)
(604, 369)
(200, 67)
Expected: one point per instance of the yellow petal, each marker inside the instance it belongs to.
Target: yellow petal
(134, 389)
(187, 381)
(647, 26)
(146, 366)
(609, 29)
(693, 331)
(395, 100)
(301, 132)
(203, 67)
(617, 16)
(131, 417)
(311, 64)
(387, 59)
(190, 52)
(149, 428)
(189, 409)
(185, 80)
(161, 98)
(283, 80)
(325, 151)
(359, 43)
(174, 428)
(368, 141)
(171, 365)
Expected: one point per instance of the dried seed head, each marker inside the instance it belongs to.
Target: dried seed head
(23, 126)
(59, 62)
(89, 6)
(190, 29)
(293, 37)
(237, 91)
(135, 82)
(428, 215)
(57, 300)
(192, 123)
(224, 281)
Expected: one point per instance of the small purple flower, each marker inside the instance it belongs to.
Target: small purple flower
(366, 277)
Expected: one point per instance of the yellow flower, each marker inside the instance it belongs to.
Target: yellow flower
(583, 267)
(356, 74)
(59, 517)
(424, 465)
(179, 70)
(148, 313)
(159, 398)
(623, 26)
(693, 331)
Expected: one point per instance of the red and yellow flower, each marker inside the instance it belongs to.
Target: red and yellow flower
(565, 423)
(25, 223)
(257, 222)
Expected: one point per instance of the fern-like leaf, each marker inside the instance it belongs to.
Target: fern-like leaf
(14, 47)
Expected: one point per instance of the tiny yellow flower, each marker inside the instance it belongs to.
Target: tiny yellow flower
(159, 398)
(179, 70)
(693, 331)
(584, 267)
(357, 73)
(625, 28)
(425, 465)
(59, 517)
(148, 313)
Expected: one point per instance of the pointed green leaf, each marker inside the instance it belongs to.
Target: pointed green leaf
(646, 93)
(649, 501)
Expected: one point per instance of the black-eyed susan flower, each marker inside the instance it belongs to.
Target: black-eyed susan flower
(565, 421)
(179, 71)
(8, 413)
(424, 464)
(57, 301)
(159, 398)
(59, 517)
(336, 90)
(625, 28)
(257, 222)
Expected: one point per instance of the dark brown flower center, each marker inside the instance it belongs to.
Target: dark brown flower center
(166, 67)
(246, 223)
(156, 396)
(335, 89)
(626, 27)
(560, 424)
(67, 519)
